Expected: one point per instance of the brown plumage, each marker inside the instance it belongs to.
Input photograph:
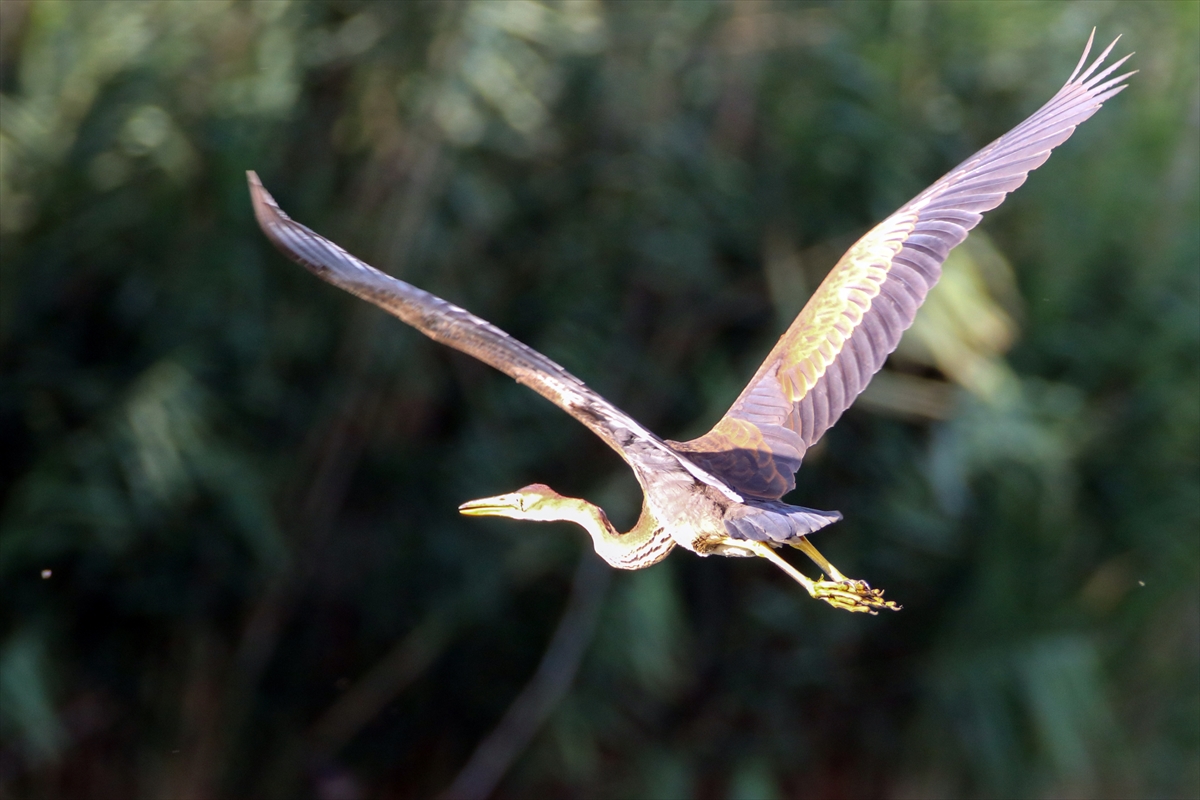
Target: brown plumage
(721, 493)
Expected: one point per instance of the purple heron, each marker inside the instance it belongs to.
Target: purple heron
(721, 493)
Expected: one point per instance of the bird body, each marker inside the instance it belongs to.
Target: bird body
(721, 493)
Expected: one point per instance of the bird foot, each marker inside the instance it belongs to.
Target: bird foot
(851, 595)
(841, 592)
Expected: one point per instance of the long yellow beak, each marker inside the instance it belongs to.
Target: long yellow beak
(499, 506)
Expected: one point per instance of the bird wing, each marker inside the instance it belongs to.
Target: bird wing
(855, 318)
(448, 324)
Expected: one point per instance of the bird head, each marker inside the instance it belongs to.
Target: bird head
(534, 502)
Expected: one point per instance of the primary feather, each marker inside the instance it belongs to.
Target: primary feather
(854, 320)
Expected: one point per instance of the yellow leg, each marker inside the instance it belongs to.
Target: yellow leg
(841, 592)
(806, 547)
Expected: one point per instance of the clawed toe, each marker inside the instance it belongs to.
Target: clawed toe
(852, 595)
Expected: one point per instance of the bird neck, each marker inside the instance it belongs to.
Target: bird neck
(644, 544)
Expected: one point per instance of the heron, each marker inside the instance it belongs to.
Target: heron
(722, 492)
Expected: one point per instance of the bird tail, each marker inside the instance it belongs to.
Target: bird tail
(775, 522)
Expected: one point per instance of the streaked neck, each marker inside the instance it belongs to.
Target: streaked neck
(644, 544)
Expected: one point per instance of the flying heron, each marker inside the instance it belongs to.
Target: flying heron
(721, 493)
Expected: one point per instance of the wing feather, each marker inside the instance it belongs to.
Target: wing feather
(856, 317)
(451, 325)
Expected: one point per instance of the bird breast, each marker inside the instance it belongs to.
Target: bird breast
(695, 518)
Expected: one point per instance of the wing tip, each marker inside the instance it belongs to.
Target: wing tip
(259, 196)
(1086, 79)
(267, 212)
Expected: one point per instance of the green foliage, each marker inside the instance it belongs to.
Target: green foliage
(229, 551)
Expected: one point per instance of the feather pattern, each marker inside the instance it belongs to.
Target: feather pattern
(444, 322)
(856, 317)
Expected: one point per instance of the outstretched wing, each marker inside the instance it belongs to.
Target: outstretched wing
(447, 323)
(854, 320)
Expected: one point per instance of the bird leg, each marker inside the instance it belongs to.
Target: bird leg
(841, 592)
(806, 547)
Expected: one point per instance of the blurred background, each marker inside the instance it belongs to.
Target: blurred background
(230, 558)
